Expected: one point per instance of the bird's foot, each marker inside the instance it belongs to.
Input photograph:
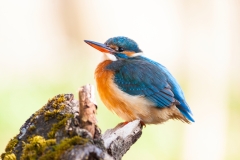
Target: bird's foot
(126, 122)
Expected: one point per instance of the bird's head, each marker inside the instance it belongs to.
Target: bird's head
(117, 48)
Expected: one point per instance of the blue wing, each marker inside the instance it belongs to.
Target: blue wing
(144, 77)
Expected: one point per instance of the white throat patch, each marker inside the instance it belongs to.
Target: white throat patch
(108, 56)
(137, 54)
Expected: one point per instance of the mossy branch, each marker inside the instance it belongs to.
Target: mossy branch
(66, 128)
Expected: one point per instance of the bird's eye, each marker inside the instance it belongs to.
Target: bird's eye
(120, 49)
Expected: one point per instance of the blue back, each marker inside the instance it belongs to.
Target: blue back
(144, 77)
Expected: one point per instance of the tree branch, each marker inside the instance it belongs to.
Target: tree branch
(63, 130)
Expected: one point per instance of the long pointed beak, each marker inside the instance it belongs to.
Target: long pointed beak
(99, 46)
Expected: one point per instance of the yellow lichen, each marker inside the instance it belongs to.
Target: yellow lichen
(62, 107)
(61, 99)
(57, 104)
(8, 156)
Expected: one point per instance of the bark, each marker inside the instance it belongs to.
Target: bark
(66, 128)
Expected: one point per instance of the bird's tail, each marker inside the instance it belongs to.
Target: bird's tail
(185, 110)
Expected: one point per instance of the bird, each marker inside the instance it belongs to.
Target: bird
(136, 87)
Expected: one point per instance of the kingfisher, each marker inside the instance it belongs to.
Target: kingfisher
(136, 87)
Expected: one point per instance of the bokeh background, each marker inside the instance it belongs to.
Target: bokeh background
(42, 54)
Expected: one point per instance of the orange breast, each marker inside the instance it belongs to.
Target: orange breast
(110, 94)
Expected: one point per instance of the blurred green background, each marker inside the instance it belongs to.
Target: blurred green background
(42, 54)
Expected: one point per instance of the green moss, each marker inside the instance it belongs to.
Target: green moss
(40, 111)
(57, 100)
(35, 147)
(57, 104)
(59, 125)
(11, 144)
(32, 128)
(38, 147)
(60, 117)
(50, 114)
(8, 156)
(63, 146)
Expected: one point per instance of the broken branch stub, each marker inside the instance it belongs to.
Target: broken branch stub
(87, 108)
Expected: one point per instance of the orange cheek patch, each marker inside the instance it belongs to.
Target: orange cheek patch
(114, 47)
(129, 53)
